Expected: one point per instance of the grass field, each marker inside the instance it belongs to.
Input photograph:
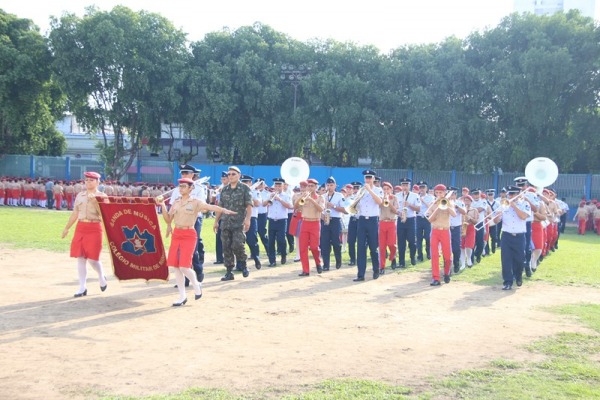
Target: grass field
(569, 366)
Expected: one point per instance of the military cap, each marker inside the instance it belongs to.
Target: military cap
(259, 180)
(246, 178)
(313, 181)
(223, 174)
(91, 174)
(331, 179)
(387, 184)
(422, 183)
(368, 172)
(234, 168)
(453, 188)
(440, 186)
(377, 179)
(503, 190)
(278, 180)
(513, 189)
(520, 181)
(188, 168)
(405, 180)
(476, 191)
(492, 191)
(356, 184)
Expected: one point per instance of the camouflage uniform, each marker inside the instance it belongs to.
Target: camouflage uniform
(232, 226)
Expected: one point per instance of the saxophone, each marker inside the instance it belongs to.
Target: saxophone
(403, 215)
(464, 226)
(326, 216)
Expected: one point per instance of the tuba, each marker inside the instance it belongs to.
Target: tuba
(294, 170)
(541, 172)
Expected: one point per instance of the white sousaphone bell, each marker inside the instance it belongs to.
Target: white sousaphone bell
(541, 172)
(294, 170)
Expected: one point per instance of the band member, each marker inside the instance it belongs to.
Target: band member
(467, 233)
(87, 240)
(218, 242)
(252, 233)
(514, 227)
(493, 206)
(353, 226)
(296, 221)
(290, 213)
(537, 234)
(345, 218)
(184, 213)
(261, 220)
(499, 225)
(440, 213)
(331, 226)
(597, 218)
(423, 225)
(409, 204)
(455, 227)
(198, 192)
(311, 205)
(388, 213)
(235, 196)
(58, 191)
(368, 215)
(533, 201)
(278, 203)
(480, 205)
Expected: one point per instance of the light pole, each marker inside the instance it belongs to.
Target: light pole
(294, 75)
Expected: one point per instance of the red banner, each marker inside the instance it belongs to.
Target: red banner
(134, 239)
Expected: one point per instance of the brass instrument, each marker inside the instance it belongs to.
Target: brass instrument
(302, 200)
(404, 214)
(351, 209)
(326, 216)
(274, 196)
(201, 181)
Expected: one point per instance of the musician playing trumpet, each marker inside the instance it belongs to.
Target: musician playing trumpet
(311, 206)
(441, 211)
(388, 211)
(409, 204)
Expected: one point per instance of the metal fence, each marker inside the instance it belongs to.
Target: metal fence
(573, 187)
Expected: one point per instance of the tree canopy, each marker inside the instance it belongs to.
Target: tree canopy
(496, 99)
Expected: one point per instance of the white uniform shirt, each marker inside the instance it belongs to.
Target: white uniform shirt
(457, 219)
(481, 203)
(278, 210)
(404, 200)
(425, 199)
(337, 199)
(511, 223)
(536, 202)
(367, 205)
(255, 196)
(263, 196)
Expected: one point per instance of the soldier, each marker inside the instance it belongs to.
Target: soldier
(480, 205)
(235, 196)
(261, 220)
(331, 227)
(278, 202)
(493, 205)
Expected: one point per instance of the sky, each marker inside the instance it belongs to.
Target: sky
(386, 24)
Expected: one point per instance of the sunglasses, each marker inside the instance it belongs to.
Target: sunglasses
(184, 186)
(231, 173)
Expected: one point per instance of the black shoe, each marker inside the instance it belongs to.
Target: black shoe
(197, 296)
(376, 274)
(393, 265)
(180, 303)
(429, 256)
(507, 287)
(239, 269)
(84, 293)
(401, 266)
(200, 277)
(283, 260)
(435, 282)
(478, 259)
(319, 269)
(103, 288)
(352, 263)
(218, 262)
(382, 271)
(413, 261)
(446, 278)
(357, 279)
(325, 268)
(519, 282)
(257, 263)
(338, 265)
(304, 274)
(245, 272)
(457, 269)
(527, 273)
(291, 249)
(228, 277)
(272, 264)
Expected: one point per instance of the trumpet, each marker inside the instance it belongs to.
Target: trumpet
(274, 196)
(386, 200)
(302, 200)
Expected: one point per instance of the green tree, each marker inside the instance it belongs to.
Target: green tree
(30, 102)
(120, 70)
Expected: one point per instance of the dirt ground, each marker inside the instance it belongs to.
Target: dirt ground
(272, 331)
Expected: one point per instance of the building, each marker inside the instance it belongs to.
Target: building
(547, 7)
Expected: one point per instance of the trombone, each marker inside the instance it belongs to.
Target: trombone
(351, 209)
(197, 182)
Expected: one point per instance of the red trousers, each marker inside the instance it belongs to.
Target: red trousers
(387, 240)
(537, 235)
(440, 236)
(597, 223)
(581, 226)
(310, 236)
(69, 197)
(58, 200)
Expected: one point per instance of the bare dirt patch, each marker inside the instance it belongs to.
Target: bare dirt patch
(271, 330)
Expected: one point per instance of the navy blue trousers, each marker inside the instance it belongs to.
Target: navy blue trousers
(352, 234)
(406, 233)
(512, 256)
(367, 236)
(277, 235)
(330, 237)
(423, 232)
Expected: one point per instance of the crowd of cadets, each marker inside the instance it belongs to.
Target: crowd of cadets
(401, 219)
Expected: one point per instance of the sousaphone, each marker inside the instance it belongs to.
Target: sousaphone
(294, 170)
(541, 172)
